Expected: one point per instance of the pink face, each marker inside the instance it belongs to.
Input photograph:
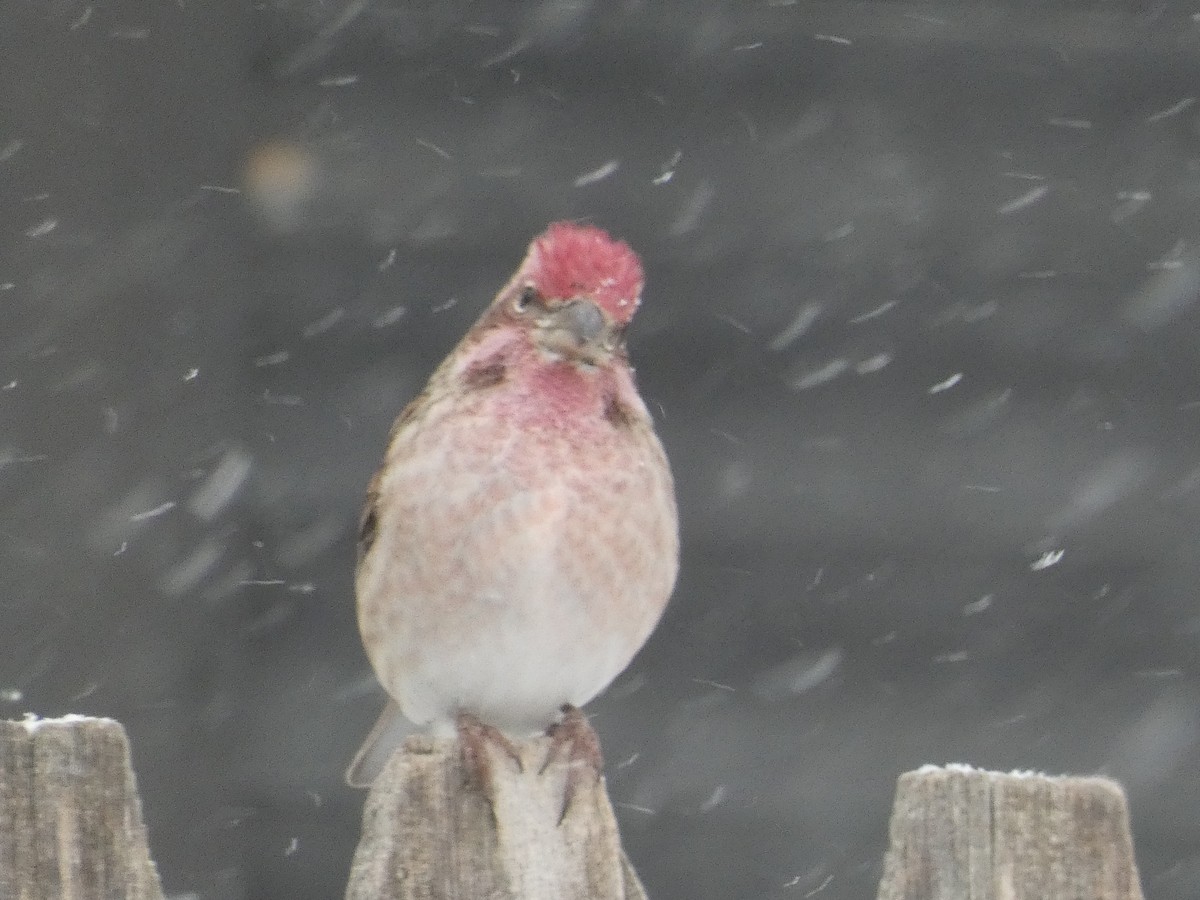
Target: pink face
(570, 260)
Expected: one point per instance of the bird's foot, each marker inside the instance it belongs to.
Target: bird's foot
(574, 739)
(474, 738)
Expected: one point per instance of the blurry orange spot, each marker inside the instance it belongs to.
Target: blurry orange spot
(280, 181)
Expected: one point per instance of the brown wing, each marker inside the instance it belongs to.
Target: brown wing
(368, 521)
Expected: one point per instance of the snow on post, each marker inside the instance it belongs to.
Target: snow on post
(428, 833)
(959, 833)
(70, 817)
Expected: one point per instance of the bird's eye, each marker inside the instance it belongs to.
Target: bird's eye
(527, 296)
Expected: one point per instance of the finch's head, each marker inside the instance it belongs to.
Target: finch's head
(570, 261)
(575, 292)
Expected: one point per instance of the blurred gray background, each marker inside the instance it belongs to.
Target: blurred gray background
(920, 334)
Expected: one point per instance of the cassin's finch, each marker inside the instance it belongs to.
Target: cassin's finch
(520, 540)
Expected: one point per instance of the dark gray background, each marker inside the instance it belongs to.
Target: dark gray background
(920, 316)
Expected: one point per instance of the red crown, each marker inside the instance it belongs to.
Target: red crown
(570, 260)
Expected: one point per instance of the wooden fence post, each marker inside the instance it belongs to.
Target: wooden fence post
(428, 834)
(70, 817)
(958, 833)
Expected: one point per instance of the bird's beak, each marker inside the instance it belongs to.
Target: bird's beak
(580, 329)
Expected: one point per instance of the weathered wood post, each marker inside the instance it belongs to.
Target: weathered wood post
(958, 833)
(70, 818)
(429, 834)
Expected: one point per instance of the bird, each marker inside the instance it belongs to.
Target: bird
(520, 541)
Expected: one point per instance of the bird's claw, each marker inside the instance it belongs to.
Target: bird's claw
(474, 737)
(574, 739)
